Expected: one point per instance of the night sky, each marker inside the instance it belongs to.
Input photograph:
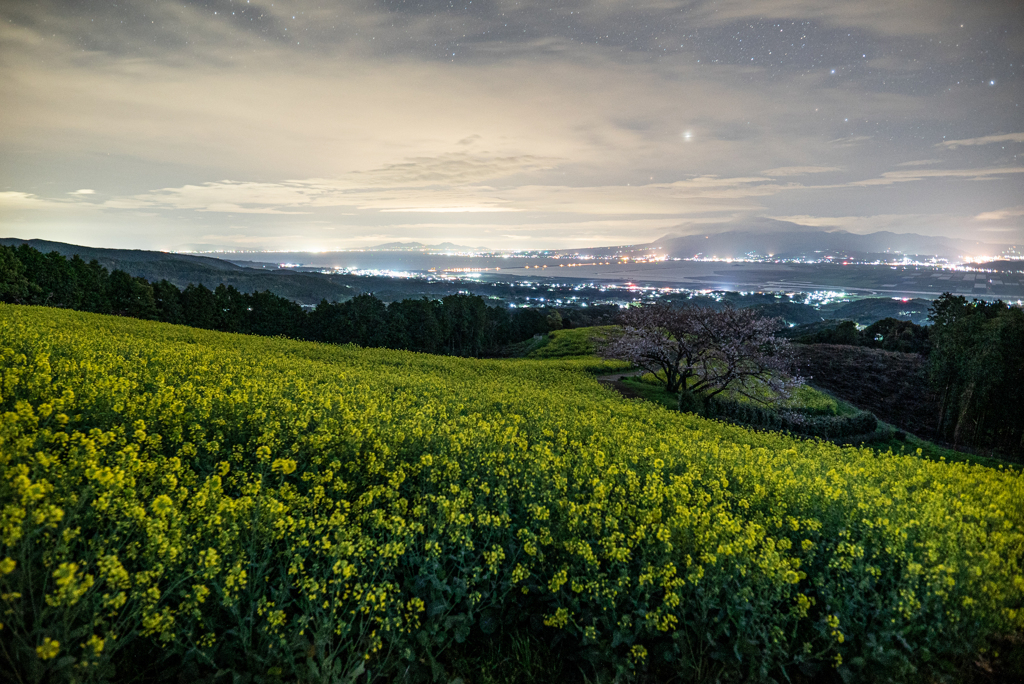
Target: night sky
(333, 125)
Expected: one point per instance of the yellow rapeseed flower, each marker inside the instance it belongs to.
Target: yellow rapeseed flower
(285, 466)
(48, 649)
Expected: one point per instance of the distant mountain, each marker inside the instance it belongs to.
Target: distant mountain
(397, 247)
(786, 240)
(763, 236)
(420, 247)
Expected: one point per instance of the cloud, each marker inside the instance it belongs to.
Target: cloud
(925, 224)
(817, 221)
(799, 170)
(904, 19)
(985, 140)
(228, 208)
(850, 140)
(453, 168)
(439, 186)
(83, 191)
(1001, 214)
(447, 210)
(128, 203)
(526, 117)
(586, 225)
(893, 177)
(19, 199)
(13, 200)
(231, 241)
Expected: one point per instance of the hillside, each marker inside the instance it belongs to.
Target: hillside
(864, 311)
(236, 504)
(147, 263)
(892, 385)
(185, 269)
(867, 311)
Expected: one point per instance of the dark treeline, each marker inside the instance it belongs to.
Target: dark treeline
(462, 325)
(977, 369)
(890, 334)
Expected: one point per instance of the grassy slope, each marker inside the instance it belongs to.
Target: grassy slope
(575, 469)
(571, 343)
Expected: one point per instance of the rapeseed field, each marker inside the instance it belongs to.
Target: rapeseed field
(286, 511)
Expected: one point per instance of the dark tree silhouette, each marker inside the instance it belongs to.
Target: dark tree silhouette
(977, 368)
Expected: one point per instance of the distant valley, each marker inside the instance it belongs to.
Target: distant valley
(612, 275)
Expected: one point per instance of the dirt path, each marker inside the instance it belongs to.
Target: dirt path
(614, 381)
(614, 377)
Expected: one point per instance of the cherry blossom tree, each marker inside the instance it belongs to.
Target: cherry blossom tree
(705, 351)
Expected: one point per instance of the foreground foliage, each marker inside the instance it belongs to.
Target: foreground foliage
(289, 510)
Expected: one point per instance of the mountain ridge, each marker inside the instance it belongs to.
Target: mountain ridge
(792, 244)
(767, 237)
(113, 257)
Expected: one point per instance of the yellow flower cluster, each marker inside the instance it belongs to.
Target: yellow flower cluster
(182, 486)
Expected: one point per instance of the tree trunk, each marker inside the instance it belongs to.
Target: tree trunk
(942, 410)
(961, 420)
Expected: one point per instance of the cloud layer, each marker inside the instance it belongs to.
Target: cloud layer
(167, 124)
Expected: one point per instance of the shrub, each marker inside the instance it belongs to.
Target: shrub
(807, 424)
